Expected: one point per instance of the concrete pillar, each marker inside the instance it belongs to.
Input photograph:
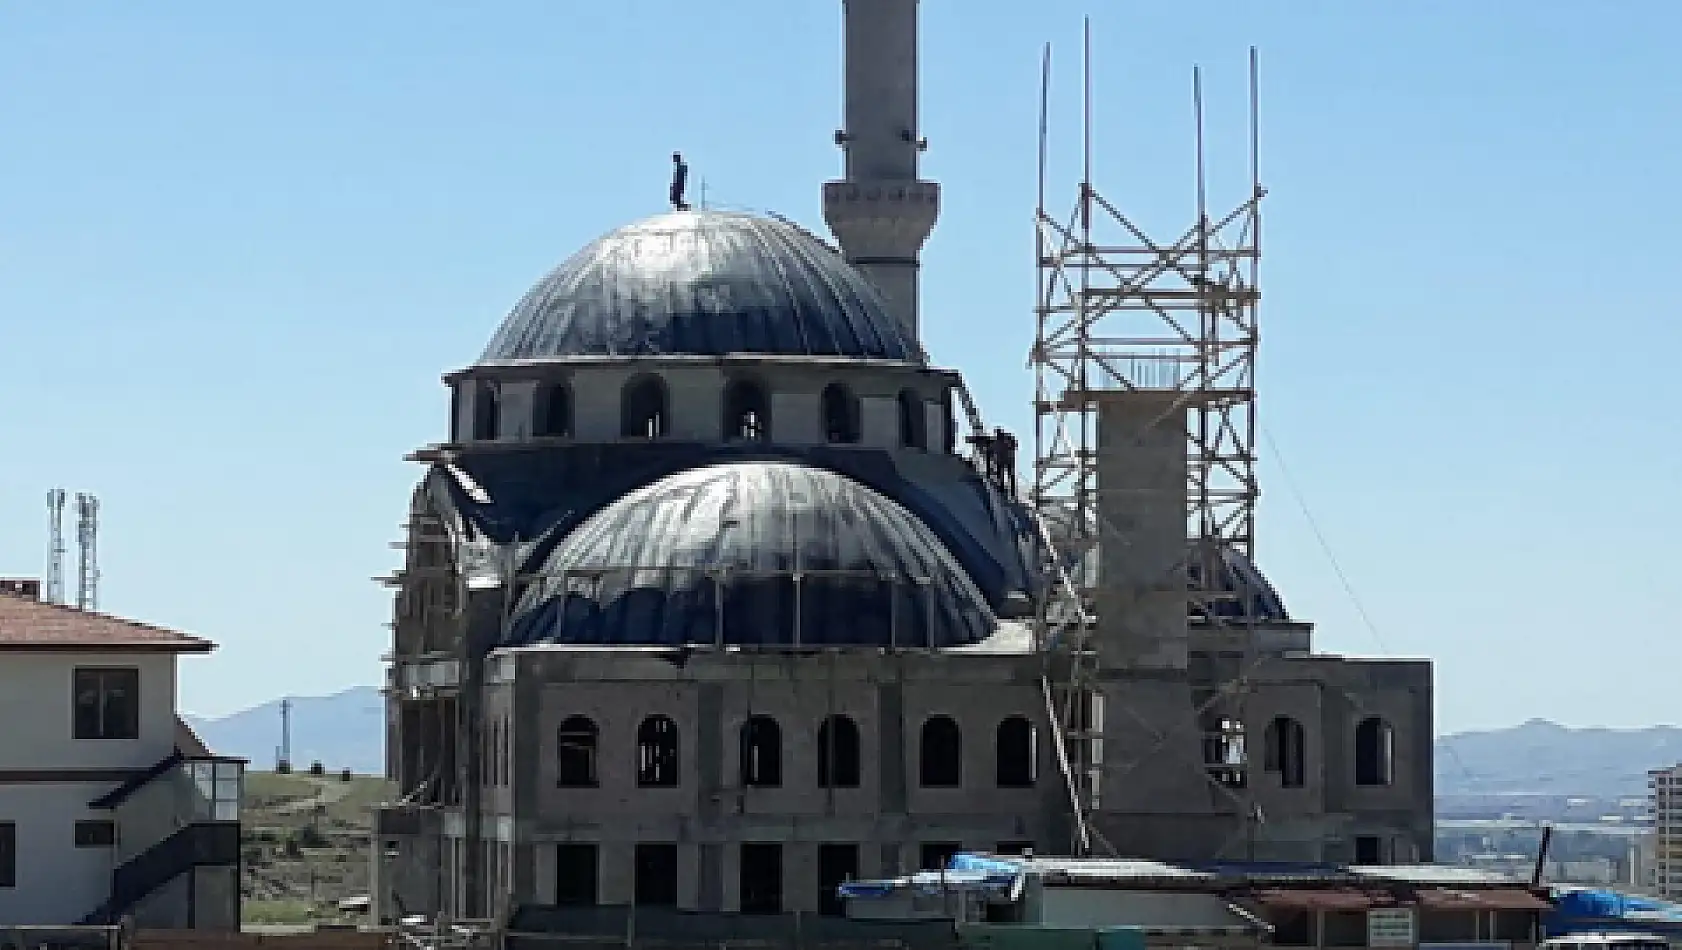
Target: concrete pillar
(1152, 780)
(1141, 487)
(881, 213)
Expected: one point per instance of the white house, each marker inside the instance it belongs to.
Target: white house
(109, 804)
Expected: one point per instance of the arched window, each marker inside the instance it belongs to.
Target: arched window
(1017, 753)
(643, 409)
(487, 411)
(762, 753)
(576, 753)
(1226, 753)
(840, 414)
(657, 757)
(838, 753)
(913, 421)
(1375, 753)
(942, 753)
(747, 412)
(554, 411)
(1286, 754)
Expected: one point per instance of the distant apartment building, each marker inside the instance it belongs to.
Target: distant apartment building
(1665, 856)
(110, 806)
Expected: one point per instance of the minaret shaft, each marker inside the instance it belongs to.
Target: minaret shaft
(881, 213)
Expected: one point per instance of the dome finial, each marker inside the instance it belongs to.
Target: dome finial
(680, 178)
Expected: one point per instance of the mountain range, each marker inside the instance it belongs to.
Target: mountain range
(347, 730)
(343, 731)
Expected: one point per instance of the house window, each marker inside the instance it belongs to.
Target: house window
(95, 834)
(107, 703)
(656, 875)
(8, 854)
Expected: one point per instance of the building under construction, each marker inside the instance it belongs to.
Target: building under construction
(719, 593)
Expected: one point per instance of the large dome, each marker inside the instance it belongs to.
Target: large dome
(650, 568)
(705, 283)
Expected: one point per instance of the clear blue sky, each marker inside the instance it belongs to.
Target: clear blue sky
(240, 242)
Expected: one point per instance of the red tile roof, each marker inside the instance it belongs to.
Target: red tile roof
(29, 624)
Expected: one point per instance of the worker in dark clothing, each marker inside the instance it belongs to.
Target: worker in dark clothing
(1004, 444)
(680, 180)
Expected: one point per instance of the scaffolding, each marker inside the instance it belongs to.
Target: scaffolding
(1118, 311)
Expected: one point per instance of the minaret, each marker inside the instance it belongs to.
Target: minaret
(880, 212)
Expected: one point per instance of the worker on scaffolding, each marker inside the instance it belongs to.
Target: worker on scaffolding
(1004, 451)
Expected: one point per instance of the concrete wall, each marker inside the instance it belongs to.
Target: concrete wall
(35, 697)
(709, 813)
(57, 882)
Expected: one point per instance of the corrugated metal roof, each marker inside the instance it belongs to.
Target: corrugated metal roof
(1102, 869)
(708, 556)
(1487, 898)
(1431, 874)
(703, 283)
(1320, 898)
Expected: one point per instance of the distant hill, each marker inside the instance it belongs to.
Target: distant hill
(1544, 758)
(344, 730)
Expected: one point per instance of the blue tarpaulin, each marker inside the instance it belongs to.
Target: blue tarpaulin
(1583, 909)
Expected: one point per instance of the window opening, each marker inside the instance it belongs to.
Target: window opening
(941, 753)
(1017, 752)
(657, 753)
(576, 753)
(838, 753)
(762, 753)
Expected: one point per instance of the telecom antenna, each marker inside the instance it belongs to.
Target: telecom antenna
(284, 760)
(87, 543)
(54, 593)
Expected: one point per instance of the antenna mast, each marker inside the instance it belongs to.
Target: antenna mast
(87, 544)
(54, 593)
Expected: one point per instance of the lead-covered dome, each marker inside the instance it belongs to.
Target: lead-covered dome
(705, 283)
(710, 556)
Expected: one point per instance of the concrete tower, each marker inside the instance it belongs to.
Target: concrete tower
(880, 212)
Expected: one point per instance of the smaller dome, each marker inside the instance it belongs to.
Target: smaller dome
(703, 283)
(708, 556)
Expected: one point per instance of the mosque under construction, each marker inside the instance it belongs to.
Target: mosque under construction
(718, 592)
